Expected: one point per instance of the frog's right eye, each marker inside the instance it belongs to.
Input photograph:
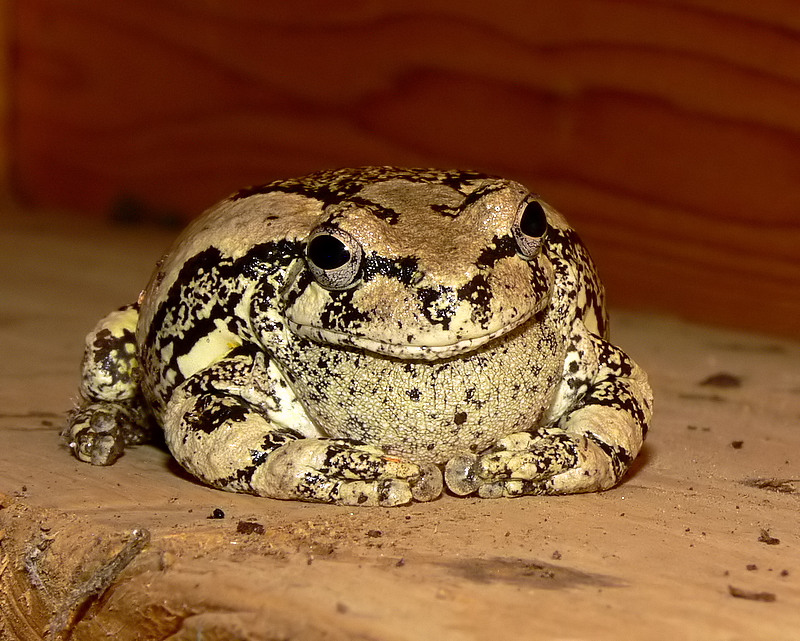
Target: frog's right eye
(530, 228)
(334, 258)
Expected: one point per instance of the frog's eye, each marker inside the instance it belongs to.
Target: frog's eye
(334, 258)
(530, 228)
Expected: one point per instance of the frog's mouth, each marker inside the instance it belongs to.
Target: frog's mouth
(412, 350)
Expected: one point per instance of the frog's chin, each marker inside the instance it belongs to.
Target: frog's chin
(409, 351)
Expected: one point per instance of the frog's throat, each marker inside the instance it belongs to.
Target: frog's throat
(405, 350)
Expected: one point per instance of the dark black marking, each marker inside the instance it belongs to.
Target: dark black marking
(341, 314)
(500, 247)
(439, 304)
(619, 457)
(405, 270)
(414, 394)
(481, 192)
(478, 292)
(212, 411)
(114, 356)
(381, 212)
(335, 186)
(209, 277)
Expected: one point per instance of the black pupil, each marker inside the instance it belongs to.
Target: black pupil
(533, 221)
(328, 252)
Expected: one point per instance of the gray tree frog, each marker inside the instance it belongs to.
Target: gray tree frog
(365, 336)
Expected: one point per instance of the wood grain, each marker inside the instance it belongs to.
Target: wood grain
(667, 131)
(659, 558)
(5, 93)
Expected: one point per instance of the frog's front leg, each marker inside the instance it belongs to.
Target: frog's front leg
(594, 430)
(237, 426)
(111, 414)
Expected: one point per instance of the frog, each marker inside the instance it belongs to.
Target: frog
(372, 336)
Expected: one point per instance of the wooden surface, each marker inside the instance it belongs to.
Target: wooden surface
(668, 132)
(700, 543)
(5, 101)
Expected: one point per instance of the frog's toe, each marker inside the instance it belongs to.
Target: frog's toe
(95, 433)
(513, 487)
(383, 493)
(428, 485)
(461, 474)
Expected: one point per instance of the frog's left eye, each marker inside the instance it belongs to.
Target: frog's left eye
(529, 228)
(334, 258)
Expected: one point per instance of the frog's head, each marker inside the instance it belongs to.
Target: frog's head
(421, 264)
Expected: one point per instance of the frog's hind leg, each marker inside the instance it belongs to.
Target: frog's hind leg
(111, 414)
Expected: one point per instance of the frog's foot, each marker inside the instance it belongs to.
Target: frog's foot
(599, 425)
(98, 432)
(548, 461)
(343, 472)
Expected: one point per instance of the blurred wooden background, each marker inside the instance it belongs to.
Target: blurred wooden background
(668, 131)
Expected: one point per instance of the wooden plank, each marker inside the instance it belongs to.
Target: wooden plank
(669, 133)
(700, 542)
(5, 101)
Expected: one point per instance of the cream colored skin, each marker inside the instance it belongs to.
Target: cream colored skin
(346, 336)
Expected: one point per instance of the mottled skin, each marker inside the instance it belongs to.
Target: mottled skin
(346, 336)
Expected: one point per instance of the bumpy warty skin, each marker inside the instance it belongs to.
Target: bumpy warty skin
(346, 336)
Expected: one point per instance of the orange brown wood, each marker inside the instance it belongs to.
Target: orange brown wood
(668, 132)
